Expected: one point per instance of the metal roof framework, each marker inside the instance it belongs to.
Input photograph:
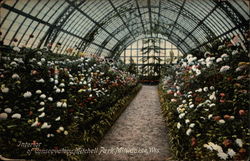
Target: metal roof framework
(108, 27)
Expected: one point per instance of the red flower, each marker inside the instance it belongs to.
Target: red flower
(198, 99)
(30, 113)
(222, 101)
(227, 142)
(222, 94)
(216, 118)
(227, 117)
(230, 78)
(242, 112)
(193, 141)
(34, 72)
(56, 147)
(242, 151)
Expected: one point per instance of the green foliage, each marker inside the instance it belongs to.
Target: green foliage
(206, 105)
(59, 101)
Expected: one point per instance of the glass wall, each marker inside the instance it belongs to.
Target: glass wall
(150, 54)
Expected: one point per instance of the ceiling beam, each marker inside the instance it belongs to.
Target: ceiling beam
(219, 36)
(179, 13)
(150, 15)
(139, 11)
(159, 15)
(91, 19)
(201, 21)
(115, 9)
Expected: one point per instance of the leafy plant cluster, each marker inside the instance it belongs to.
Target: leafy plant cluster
(206, 105)
(58, 102)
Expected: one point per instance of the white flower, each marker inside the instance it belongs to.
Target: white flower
(42, 103)
(235, 52)
(231, 152)
(224, 56)
(224, 68)
(45, 126)
(41, 109)
(8, 110)
(192, 125)
(212, 105)
(14, 64)
(212, 96)
(191, 106)
(187, 121)
(222, 155)
(39, 63)
(51, 79)
(16, 116)
(27, 94)
(43, 96)
(66, 132)
(205, 89)
(90, 95)
(59, 104)
(50, 99)
(56, 82)
(42, 115)
(210, 116)
(17, 49)
(35, 123)
(184, 101)
(221, 121)
(38, 91)
(209, 64)
(43, 60)
(15, 76)
(58, 90)
(50, 135)
(64, 104)
(61, 128)
(218, 60)
(181, 115)
(208, 147)
(239, 142)
(178, 125)
(5, 89)
(62, 90)
(62, 85)
(198, 72)
(40, 81)
(198, 90)
(3, 116)
(188, 132)
(211, 88)
(216, 147)
(58, 118)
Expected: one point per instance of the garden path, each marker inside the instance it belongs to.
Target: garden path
(139, 129)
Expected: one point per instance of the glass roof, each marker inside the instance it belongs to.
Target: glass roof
(108, 27)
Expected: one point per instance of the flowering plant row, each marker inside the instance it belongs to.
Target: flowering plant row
(46, 99)
(206, 105)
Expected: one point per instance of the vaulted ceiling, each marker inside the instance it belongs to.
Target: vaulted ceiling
(108, 27)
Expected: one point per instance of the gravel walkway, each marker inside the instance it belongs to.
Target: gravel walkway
(139, 134)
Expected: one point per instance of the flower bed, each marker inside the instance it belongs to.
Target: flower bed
(55, 102)
(206, 105)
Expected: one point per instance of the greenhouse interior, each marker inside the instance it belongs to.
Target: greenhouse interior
(124, 80)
